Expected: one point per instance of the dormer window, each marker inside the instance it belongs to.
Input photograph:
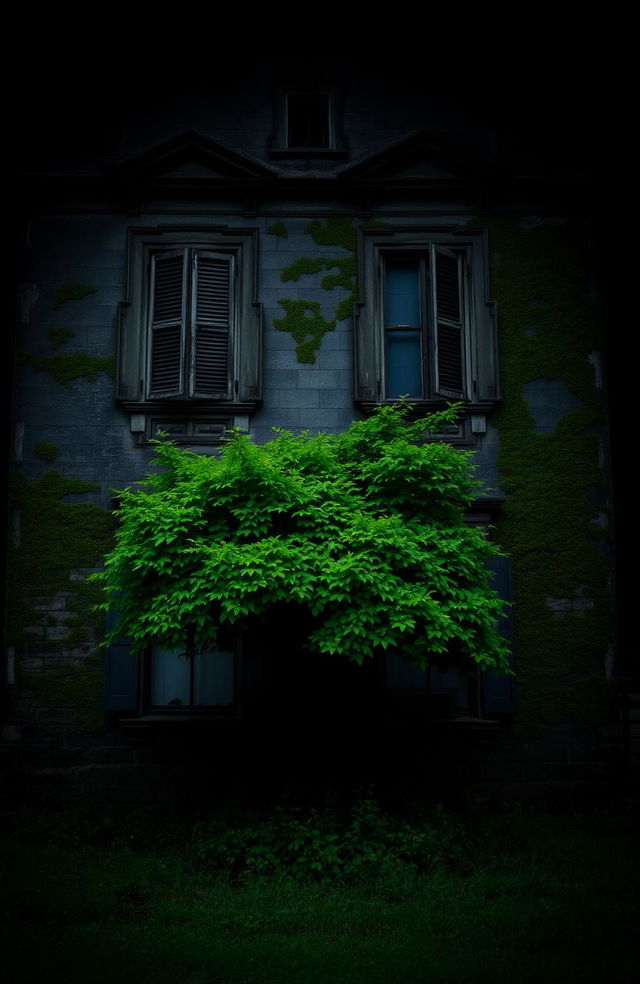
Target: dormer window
(308, 119)
(307, 122)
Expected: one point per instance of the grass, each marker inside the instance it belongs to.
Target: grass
(542, 899)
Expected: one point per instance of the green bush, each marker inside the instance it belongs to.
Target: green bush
(367, 847)
(360, 536)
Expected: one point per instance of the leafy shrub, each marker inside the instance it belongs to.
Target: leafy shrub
(362, 533)
(368, 846)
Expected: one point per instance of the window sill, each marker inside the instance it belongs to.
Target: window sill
(308, 152)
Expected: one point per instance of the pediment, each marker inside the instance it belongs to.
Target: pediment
(192, 157)
(418, 157)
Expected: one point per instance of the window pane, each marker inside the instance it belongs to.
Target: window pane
(403, 364)
(169, 677)
(402, 293)
(214, 678)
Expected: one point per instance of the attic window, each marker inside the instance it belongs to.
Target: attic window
(308, 119)
(306, 122)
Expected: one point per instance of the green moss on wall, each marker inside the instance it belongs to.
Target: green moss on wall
(55, 538)
(46, 451)
(77, 689)
(307, 326)
(60, 336)
(308, 331)
(338, 230)
(71, 292)
(278, 229)
(66, 369)
(554, 486)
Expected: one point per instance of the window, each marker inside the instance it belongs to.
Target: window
(308, 119)
(190, 332)
(306, 122)
(204, 679)
(164, 680)
(440, 692)
(425, 328)
(190, 323)
(451, 692)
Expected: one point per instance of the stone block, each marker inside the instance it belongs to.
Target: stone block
(337, 398)
(48, 603)
(319, 422)
(304, 399)
(81, 573)
(280, 379)
(31, 665)
(318, 379)
(285, 417)
(328, 358)
(272, 279)
(283, 359)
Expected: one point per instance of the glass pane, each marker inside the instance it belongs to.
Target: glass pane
(214, 678)
(403, 364)
(402, 293)
(169, 677)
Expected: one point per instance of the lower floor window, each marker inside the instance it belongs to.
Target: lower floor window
(205, 679)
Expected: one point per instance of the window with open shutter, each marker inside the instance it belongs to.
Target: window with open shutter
(424, 313)
(425, 329)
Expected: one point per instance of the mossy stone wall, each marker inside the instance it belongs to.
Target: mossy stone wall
(556, 519)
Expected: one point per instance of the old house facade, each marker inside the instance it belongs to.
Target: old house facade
(290, 251)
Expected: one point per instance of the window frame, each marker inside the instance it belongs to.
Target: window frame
(377, 246)
(133, 378)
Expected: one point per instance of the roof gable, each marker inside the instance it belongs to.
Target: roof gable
(192, 157)
(418, 157)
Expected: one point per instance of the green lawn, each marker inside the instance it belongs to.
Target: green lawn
(546, 899)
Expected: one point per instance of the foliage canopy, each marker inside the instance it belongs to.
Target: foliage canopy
(363, 532)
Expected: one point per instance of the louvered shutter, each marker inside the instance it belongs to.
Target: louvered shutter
(449, 340)
(498, 689)
(121, 674)
(211, 324)
(168, 304)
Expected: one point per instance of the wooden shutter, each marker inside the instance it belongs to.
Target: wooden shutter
(449, 330)
(168, 302)
(121, 674)
(498, 689)
(212, 314)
